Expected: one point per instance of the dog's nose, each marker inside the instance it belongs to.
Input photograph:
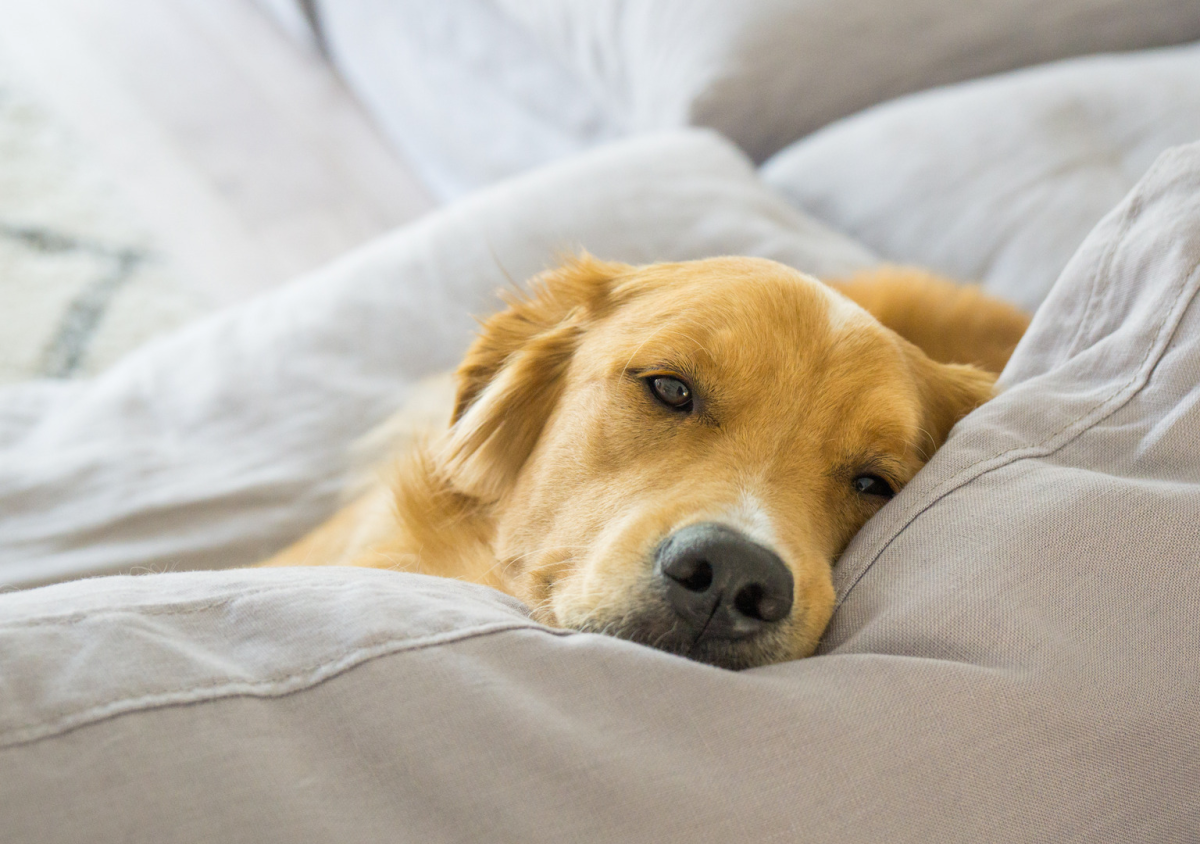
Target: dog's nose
(722, 584)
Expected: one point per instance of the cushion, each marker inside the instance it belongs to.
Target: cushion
(1000, 179)
(217, 445)
(295, 17)
(465, 92)
(1013, 658)
(83, 279)
(474, 90)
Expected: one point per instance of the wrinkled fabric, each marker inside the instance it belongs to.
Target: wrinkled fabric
(997, 180)
(1013, 657)
(221, 443)
(473, 91)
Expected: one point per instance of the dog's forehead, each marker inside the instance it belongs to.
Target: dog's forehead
(738, 307)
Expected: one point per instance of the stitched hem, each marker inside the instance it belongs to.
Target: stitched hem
(183, 608)
(279, 686)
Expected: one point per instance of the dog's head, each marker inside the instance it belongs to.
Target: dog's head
(677, 454)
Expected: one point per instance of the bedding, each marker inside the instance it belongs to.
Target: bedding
(999, 179)
(536, 81)
(1013, 658)
(82, 279)
(218, 445)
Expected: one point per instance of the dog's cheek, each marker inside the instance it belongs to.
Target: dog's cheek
(816, 595)
(538, 594)
(596, 591)
(611, 580)
(567, 605)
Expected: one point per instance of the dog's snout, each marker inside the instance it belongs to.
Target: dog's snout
(721, 583)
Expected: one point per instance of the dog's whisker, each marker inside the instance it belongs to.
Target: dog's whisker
(506, 564)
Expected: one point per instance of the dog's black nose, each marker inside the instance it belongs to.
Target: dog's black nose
(721, 584)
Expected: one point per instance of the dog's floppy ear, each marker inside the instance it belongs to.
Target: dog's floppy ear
(512, 375)
(948, 393)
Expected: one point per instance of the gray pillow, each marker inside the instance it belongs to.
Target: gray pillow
(997, 180)
(1014, 658)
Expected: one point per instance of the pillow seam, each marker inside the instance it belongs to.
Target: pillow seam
(291, 682)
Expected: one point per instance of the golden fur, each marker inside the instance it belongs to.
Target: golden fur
(561, 474)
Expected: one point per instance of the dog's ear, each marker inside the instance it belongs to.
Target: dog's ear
(948, 393)
(512, 375)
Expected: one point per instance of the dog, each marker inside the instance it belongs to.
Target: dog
(677, 454)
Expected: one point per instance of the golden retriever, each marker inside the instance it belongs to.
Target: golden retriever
(677, 454)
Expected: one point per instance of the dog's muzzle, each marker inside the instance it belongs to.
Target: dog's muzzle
(722, 585)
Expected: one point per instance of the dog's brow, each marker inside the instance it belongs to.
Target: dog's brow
(683, 369)
(873, 460)
(634, 353)
(683, 320)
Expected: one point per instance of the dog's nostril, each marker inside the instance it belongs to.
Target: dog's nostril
(753, 601)
(747, 600)
(700, 578)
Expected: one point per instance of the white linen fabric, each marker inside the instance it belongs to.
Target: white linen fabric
(1000, 179)
(294, 17)
(216, 446)
(1013, 658)
(82, 278)
(476, 90)
(462, 90)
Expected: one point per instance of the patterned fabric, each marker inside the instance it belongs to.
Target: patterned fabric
(81, 280)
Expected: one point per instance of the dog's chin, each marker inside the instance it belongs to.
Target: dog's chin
(657, 627)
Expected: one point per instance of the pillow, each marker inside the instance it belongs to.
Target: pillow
(215, 446)
(1013, 658)
(461, 89)
(474, 90)
(1001, 179)
(297, 18)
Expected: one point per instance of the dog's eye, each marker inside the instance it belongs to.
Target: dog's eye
(873, 485)
(671, 391)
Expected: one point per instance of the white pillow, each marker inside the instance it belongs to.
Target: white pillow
(464, 91)
(997, 180)
(215, 446)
